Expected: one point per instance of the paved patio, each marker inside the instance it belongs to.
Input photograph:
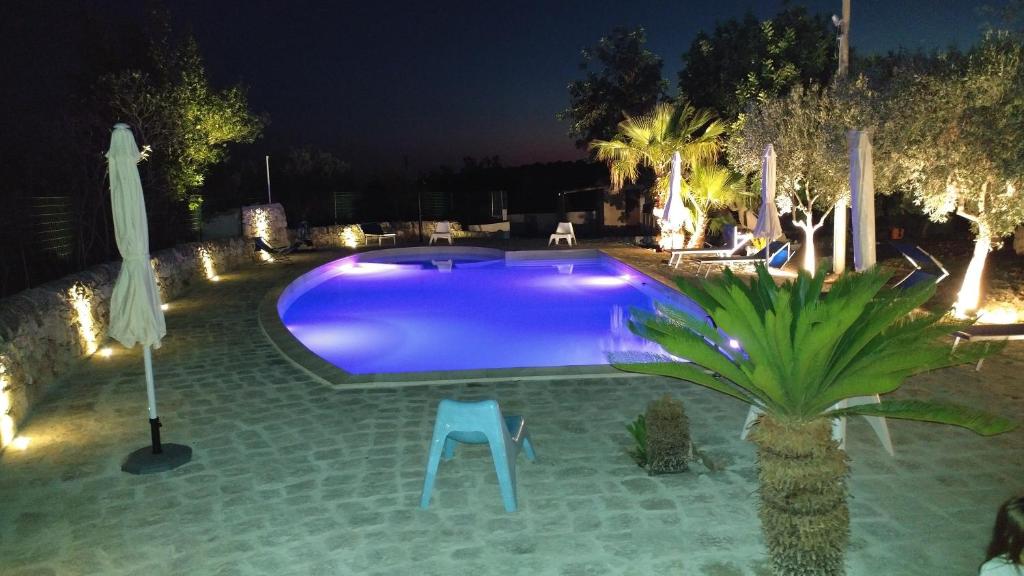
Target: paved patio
(292, 477)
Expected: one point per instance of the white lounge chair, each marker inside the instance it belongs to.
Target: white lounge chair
(740, 240)
(563, 232)
(774, 255)
(443, 230)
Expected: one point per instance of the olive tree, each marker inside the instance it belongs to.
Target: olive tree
(957, 129)
(808, 129)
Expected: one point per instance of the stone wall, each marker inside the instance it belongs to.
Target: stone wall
(351, 236)
(47, 330)
(266, 220)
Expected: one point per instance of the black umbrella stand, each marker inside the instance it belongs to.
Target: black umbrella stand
(158, 457)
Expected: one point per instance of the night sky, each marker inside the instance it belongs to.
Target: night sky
(373, 81)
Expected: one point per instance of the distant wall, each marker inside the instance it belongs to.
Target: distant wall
(46, 331)
(266, 220)
(350, 235)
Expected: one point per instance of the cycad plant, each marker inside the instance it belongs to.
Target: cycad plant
(801, 352)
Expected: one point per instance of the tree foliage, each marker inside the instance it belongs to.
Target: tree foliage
(177, 114)
(648, 142)
(745, 60)
(808, 129)
(958, 125)
(621, 78)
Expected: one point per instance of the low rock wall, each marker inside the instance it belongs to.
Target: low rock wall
(351, 235)
(45, 331)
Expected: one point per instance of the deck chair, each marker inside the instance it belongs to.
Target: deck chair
(565, 232)
(442, 231)
(376, 230)
(988, 333)
(926, 268)
(478, 423)
(277, 253)
(734, 242)
(774, 255)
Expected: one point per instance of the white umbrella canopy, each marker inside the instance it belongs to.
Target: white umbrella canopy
(135, 313)
(862, 199)
(768, 226)
(675, 216)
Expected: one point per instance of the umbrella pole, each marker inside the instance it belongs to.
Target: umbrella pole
(154, 420)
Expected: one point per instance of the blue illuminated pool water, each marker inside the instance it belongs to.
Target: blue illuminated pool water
(395, 311)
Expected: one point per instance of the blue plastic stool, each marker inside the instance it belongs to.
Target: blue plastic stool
(478, 423)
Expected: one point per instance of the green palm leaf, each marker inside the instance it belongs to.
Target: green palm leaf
(803, 352)
(943, 413)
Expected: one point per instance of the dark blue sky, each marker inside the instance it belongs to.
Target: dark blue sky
(375, 80)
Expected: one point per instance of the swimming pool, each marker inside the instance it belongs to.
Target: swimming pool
(462, 308)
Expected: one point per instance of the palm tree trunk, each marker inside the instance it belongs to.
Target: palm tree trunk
(804, 515)
(699, 231)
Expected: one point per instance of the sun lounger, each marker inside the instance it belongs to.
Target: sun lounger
(926, 267)
(740, 240)
(278, 253)
(988, 333)
(376, 230)
(774, 255)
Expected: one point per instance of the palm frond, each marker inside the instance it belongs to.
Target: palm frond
(943, 413)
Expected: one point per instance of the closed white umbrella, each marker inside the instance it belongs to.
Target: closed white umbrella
(768, 226)
(135, 313)
(862, 199)
(675, 215)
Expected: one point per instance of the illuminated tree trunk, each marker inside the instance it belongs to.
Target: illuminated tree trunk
(809, 256)
(969, 298)
(699, 229)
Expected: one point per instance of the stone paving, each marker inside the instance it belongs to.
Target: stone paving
(292, 477)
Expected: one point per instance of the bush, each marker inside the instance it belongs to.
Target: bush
(668, 446)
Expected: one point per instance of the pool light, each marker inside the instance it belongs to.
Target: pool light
(106, 352)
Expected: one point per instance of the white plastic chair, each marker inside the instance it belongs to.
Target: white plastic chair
(441, 230)
(563, 232)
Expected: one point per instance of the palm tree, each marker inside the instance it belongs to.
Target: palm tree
(712, 187)
(802, 353)
(648, 141)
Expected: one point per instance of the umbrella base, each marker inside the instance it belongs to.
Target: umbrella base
(143, 461)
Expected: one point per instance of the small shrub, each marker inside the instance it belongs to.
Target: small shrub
(668, 436)
(638, 430)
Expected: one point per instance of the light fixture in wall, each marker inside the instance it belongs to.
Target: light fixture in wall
(7, 429)
(261, 228)
(80, 297)
(349, 237)
(207, 260)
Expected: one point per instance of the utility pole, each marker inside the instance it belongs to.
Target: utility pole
(268, 180)
(839, 214)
